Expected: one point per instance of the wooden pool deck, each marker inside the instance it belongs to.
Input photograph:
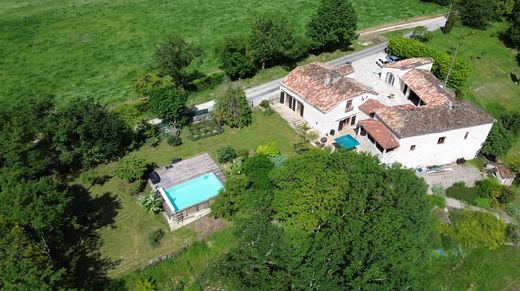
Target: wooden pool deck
(188, 169)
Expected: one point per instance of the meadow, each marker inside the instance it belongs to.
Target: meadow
(72, 48)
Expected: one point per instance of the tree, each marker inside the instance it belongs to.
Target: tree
(131, 168)
(421, 33)
(173, 56)
(169, 104)
(24, 264)
(504, 7)
(232, 108)
(513, 33)
(272, 40)
(333, 26)
(84, 133)
(473, 229)
(476, 13)
(498, 142)
(23, 144)
(236, 58)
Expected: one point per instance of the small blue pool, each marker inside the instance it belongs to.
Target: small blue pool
(347, 142)
(194, 191)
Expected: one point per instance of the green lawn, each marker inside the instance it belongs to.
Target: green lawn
(479, 270)
(94, 47)
(187, 266)
(490, 85)
(126, 240)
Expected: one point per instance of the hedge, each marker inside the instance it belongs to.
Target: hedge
(405, 48)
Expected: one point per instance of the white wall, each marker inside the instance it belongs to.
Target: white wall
(324, 122)
(428, 153)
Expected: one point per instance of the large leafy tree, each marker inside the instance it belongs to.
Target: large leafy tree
(24, 264)
(84, 133)
(236, 58)
(232, 108)
(333, 26)
(338, 221)
(272, 40)
(173, 56)
(169, 104)
(22, 142)
(498, 142)
(476, 13)
(513, 32)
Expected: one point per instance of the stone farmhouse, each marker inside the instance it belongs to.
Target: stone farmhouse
(400, 111)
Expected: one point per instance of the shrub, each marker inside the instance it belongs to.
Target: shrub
(407, 48)
(483, 202)
(438, 190)
(513, 234)
(174, 140)
(151, 203)
(270, 150)
(136, 187)
(467, 194)
(473, 229)
(233, 108)
(155, 238)
(146, 284)
(243, 153)
(236, 168)
(498, 142)
(226, 154)
(513, 210)
(421, 33)
(436, 200)
(487, 187)
(131, 168)
(507, 195)
(268, 112)
(264, 104)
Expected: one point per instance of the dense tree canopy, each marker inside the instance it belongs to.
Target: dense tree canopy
(498, 142)
(84, 133)
(476, 13)
(329, 222)
(131, 168)
(513, 32)
(333, 26)
(24, 264)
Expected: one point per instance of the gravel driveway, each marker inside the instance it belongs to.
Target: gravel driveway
(467, 173)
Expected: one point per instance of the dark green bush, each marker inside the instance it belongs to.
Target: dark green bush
(155, 238)
(174, 140)
(486, 187)
(226, 154)
(264, 104)
(268, 111)
(467, 194)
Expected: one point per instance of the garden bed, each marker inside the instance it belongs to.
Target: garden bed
(205, 129)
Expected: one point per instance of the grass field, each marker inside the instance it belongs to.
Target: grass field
(479, 270)
(94, 47)
(127, 240)
(490, 85)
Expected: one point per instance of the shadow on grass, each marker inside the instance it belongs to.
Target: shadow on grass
(79, 250)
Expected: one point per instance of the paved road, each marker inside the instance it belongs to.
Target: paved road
(258, 93)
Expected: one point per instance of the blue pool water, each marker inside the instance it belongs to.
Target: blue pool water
(347, 141)
(194, 191)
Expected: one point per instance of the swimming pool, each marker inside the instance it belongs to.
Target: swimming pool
(194, 191)
(347, 142)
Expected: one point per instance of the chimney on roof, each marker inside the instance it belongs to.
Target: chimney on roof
(327, 79)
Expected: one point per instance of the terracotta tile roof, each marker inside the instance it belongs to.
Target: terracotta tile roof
(409, 63)
(427, 87)
(370, 106)
(380, 133)
(324, 86)
(406, 121)
(505, 173)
